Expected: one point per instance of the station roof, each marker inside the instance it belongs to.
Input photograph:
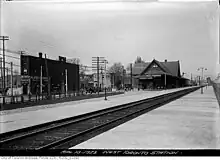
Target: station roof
(139, 67)
(167, 67)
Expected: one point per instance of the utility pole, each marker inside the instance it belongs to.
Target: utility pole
(12, 80)
(66, 81)
(113, 80)
(96, 62)
(191, 79)
(7, 81)
(165, 79)
(4, 38)
(105, 75)
(105, 81)
(102, 77)
(98, 73)
(131, 75)
(123, 77)
(1, 73)
(48, 78)
(202, 68)
(41, 84)
(22, 53)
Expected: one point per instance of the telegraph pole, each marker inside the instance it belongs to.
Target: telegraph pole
(131, 75)
(96, 62)
(41, 74)
(123, 78)
(4, 38)
(202, 68)
(105, 80)
(66, 81)
(1, 72)
(48, 78)
(22, 52)
(12, 80)
(102, 77)
(191, 79)
(98, 73)
(105, 74)
(165, 80)
(6, 79)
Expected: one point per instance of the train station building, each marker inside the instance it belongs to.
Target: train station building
(158, 75)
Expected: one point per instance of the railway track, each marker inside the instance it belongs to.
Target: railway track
(65, 133)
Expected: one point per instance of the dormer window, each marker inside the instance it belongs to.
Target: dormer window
(154, 66)
(25, 71)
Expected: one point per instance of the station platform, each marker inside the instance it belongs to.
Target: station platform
(191, 122)
(25, 117)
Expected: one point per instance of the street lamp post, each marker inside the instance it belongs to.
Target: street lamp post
(202, 68)
(66, 82)
(105, 62)
(183, 83)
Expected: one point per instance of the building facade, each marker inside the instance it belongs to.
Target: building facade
(158, 75)
(54, 73)
(102, 82)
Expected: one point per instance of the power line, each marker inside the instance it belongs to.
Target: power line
(9, 69)
(13, 64)
(11, 51)
(11, 56)
(3, 39)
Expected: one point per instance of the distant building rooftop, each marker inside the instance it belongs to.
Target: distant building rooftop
(170, 67)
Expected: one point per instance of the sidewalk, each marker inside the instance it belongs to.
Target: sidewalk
(26, 117)
(191, 122)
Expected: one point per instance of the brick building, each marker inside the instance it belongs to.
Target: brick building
(54, 73)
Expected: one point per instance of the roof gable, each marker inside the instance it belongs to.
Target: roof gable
(155, 67)
(139, 67)
(174, 67)
(171, 68)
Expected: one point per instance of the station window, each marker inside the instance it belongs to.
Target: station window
(25, 71)
(154, 66)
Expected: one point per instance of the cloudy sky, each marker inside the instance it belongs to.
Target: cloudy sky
(119, 31)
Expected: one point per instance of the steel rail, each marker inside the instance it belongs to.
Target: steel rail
(74, 120)
(20, 133)
(50, 125)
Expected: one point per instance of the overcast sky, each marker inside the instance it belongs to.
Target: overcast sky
(118, 31)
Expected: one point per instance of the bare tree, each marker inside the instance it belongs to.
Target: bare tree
(116, 70)
(139, 60)
(82, 70)
(128, 68)
(73, 60)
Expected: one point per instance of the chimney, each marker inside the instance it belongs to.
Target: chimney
(63, 59)
(40, 55)
(165, 60)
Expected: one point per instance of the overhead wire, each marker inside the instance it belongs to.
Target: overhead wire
(13, 64)
(10, 56)
(11, 51)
